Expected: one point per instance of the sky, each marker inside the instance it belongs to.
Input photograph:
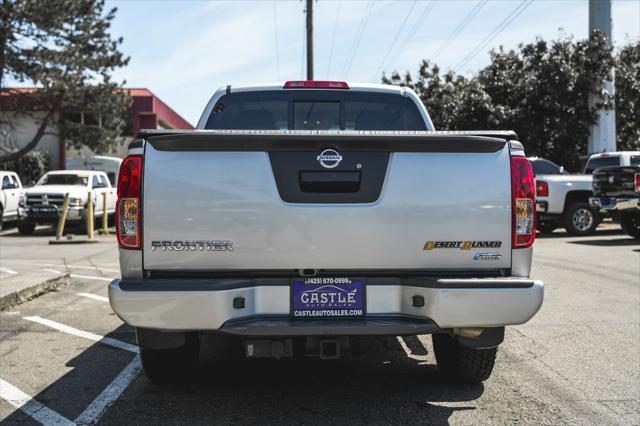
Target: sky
(184, 50)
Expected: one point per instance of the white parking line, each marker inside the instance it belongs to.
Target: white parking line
(52, 270)
(8, 271)
(94, 296)
(60, 265)
(89, 277)
(85, 334)
(107, 397)
(30, 406)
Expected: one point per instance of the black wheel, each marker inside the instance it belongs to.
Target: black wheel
(547, 227)
(630, 224)
(170, 365)
(579, 219)
(26, 228)
(461, 364)
(81, 227)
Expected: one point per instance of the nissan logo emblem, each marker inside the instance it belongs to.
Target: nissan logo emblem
(329, 158)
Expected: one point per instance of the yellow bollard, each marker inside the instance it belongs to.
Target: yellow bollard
(63, 218)
(89, 216)
(105, 216)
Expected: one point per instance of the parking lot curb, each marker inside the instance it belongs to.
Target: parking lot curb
(23, 295)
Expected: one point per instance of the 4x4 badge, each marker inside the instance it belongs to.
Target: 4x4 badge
(487, 256)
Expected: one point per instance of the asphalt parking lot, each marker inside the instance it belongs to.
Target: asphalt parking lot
(65, 357)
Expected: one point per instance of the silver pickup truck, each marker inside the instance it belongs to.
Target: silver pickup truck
(301, 215)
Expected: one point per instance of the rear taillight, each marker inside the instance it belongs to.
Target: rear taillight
(542, 188)
(129, 202)
(316, 84)
(524, 203)
(636, 179)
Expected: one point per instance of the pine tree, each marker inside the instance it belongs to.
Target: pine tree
(65, 50)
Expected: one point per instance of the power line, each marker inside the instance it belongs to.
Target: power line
(395, 39)
(361, 25)
(358, 38)
(333, 39)
(457, 30)
(524, 4)
(414, 29)
(309, 28)
(275, 28)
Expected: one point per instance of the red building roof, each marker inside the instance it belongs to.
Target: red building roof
(146, 104)
(148, 111)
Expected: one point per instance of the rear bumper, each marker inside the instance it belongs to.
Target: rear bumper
(183, 305)
(614, 203)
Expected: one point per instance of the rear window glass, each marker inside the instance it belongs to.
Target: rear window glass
(596, 163)
(544, 167)
(379, 112)
(319, 110)
(316, 115)
(250, 112)
(635, 160)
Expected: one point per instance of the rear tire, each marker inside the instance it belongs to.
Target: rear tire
(630, 224)
(579, 219)
(461, 364)
(81, 227)
(170, 365)
(25, 228)
(547, 227)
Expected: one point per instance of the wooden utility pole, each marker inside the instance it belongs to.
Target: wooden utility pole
(309, 39)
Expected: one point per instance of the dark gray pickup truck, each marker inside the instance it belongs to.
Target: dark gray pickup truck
(616, 191)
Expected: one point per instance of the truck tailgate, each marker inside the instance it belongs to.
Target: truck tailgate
(395, 200)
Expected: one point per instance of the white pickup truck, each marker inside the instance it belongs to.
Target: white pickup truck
(562, 199)
(300, 215)
(42, 203)
(10, 194)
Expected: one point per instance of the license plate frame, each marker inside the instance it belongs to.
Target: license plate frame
(44, 209)
(340, 305)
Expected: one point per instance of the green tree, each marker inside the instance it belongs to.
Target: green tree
(627, 97)
(453, 101)
(543, 90)
(62, 47)
(540, 90)
(30, 167)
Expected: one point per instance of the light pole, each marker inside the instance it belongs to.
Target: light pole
(602, 135)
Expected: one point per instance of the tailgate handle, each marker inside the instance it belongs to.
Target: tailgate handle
(330, 181)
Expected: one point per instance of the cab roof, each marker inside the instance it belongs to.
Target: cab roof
(357, 87)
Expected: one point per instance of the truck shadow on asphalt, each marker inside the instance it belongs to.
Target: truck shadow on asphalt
(89, 373)
(385, 385)
(381, 384)
(563, 234)
(38, 232)
(628, 241)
